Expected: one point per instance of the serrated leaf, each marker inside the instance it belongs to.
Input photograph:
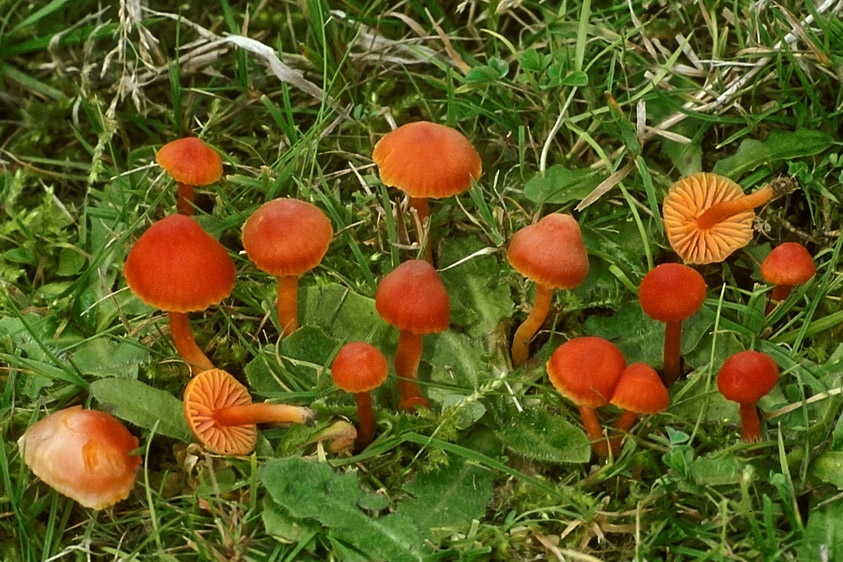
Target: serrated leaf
(314, 491)
(561, 184)
(106, 358)
(142, 405)
(536, 434)
(780, 145)
(280, 525)
(342, 313)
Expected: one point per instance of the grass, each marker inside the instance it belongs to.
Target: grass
(577, 107)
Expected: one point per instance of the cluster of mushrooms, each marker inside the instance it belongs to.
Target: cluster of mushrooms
(179, 268)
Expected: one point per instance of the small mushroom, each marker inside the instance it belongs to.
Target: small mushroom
(585, 371)
(551, 253)
(178, 267)
(191, 163)
(744, 378)
(787, 266)
(360, 368)
(287, 238)
(413, 299)
(220, 413)
(671, 293)
(639, 391)
(86, 455)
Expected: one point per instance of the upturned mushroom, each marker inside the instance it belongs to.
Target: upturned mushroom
(178, 267)
(551, 253)
(639, 391)
(360, 368)
(86, 455)
(413, 299)
(671, 293)
(191, 163)
(287, 238)
(788, 265)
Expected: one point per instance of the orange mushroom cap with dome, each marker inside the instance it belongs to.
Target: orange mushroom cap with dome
(788, 265)
(747, 376)
(640, 390)
(359, 367)
(190, 161)
(413, 299)
(83, 454)
(671, 292)
(550, 252)
(585, 370)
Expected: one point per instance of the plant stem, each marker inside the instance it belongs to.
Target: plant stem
(526, 331)
(288, 304)
(185, 199)
(185, 344)
(407, 358)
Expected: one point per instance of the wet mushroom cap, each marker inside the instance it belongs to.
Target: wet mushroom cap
(671, 292)
(640, 390)
(551, 252)
(413, 299)
(788, 264)
(689, 198)
(747, 376)
(287, 237)
(178, 267)
(83, 454)
(425, 159)
(585, 370)
(359, 367)
(208, 392)
(190, 161)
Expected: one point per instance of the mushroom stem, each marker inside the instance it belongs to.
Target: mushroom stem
(264, 413)
(725, 209)
(422, 208)
(185, 199)
(407, 358)
(366, 417)
(288, 304)
(526, 331)
(750, 423)
(672, 361)
(594, 430)
(622, 426)
(185, 344)
(781, 292)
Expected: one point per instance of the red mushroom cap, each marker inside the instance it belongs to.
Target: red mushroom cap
(413, 299)
(747, 376)
(178, 267)
(359, 367)
(586, 370)
(83, 454)
(671, 292)
(424, 159)
(550, 252)
(190, 161)
(287, 237)
(788, 264)
(640, 390)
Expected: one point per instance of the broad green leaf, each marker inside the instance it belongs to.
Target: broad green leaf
(823, 536)
(342, 313)
(561, 184)
(142, 405)
(102, 357)
(536, 434)
(456, 362)
(279, 524)
(309, 490)
(724, 469)
(533, 61)
(780, 145)
(828, 467)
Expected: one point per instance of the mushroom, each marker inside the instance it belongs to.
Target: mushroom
(413, 299)
(220, 413)
(190, 162)
(671, 293)
(585, 371)
(86, 455)
(178, 267)
(744, 378)
(427, 160)
(639, 391)
(787, 266)
(287, 238)
(359, 368)
(551, 253)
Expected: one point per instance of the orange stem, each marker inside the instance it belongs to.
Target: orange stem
(534, 321)
(366, 417)
(263, 412)
(185, 344)
(781, 292)
(407, 358)
(725, 209)
(288, 304)
(594, 430)
(622, 427)
(750, 423)
(423, 210)
(185, 199)
(672, 361)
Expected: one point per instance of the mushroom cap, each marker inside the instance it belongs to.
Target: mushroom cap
(788, 264)
(425, 159)
(747, 376)
(83, 454)
(687, 200)
(550, 252)
(207, 392)
(287, 237)
(359, 367)
(413, 299)
(178, 267)
(585, 370)
(190, 161)
(640, 390)
(671, 292)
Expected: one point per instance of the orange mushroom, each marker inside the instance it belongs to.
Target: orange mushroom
(287, 238)
(427, 160)
(178, 267)
(639, 391)
(413, 299)
(360, 368)
(86, 455)
(191, 163)
(551, 253)
(744, 378)
(788, 265)
(220, 413)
